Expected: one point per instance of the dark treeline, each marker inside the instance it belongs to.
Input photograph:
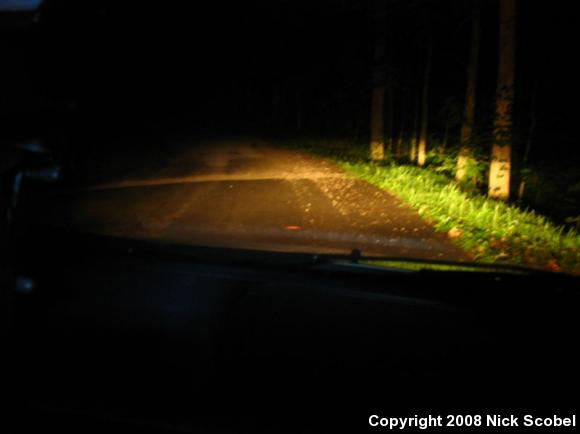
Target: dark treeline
(300, 67)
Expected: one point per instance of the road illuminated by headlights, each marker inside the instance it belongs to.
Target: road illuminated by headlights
(254, 195)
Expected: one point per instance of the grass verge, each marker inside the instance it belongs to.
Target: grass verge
(491, 231)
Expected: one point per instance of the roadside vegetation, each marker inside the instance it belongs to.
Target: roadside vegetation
(490, 230)
(490, 168)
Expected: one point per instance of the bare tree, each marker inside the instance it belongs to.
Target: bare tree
(379, 85)
(389, 136)
(400, 143)
(378, 102)
(415, 133)
(422, 146)
(500, 169)
(465, 159)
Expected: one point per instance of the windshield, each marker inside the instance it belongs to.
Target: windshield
(424, 130)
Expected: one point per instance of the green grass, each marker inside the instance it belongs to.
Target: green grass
(491, 231)
(422, 266)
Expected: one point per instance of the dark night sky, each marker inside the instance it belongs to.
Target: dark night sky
(219, 64)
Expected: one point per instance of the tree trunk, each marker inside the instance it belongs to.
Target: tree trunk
(465, 158)
(422, 147)
(399, 151)
(522, 187)
(415, 134)
(377, 103)
(500, 169)
(389, 130)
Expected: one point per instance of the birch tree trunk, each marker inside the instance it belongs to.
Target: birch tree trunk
(500, 168)
(378, 102)
(465, 158)
(389, 139)
(422, 146)
(415, 133)
(399, 147)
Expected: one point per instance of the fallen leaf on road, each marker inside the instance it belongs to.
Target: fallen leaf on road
(292, 227)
